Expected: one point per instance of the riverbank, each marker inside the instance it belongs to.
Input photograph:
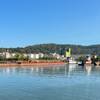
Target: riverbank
(32, 63)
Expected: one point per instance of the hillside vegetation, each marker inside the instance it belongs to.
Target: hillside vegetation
(58, 48)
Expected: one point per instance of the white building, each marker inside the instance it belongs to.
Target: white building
(55, 55)
(13, 54)
(35, 56)
(8, 55)
(41, 55)
(31, 56)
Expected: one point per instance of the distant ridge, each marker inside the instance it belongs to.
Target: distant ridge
(58, 48)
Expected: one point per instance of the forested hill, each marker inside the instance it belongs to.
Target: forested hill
(58, 48)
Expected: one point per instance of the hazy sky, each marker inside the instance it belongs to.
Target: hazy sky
(27, 22)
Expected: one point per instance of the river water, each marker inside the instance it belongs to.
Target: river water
(67, 82)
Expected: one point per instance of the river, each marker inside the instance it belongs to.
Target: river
(66, 82)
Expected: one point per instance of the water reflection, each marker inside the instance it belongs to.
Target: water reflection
(88, 69)
(67, 82)
(66, 70)
(71, 68)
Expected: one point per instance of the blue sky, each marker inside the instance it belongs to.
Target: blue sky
(29, 22)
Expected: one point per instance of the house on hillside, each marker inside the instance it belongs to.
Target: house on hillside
(35, 55)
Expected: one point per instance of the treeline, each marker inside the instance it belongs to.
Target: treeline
(58, 48)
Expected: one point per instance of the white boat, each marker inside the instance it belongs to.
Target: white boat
(72, 61)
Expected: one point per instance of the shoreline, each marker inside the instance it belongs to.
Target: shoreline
(40, 64)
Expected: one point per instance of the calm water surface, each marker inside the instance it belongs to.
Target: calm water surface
(68, 82)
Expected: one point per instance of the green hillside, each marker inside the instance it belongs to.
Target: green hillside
(58, 48)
